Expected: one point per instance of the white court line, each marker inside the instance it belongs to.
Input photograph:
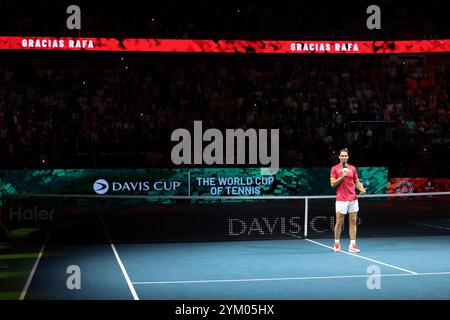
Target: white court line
(119, 261)
(33, 270)
(292, 278)
(358, 256)
(430, 225)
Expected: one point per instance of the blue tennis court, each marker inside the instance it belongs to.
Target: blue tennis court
(411, 268)
(282, 251)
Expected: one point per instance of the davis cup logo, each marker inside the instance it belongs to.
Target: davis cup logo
(101, 186)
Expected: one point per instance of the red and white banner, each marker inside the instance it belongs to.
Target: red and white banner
(224, 46)
(414, 185)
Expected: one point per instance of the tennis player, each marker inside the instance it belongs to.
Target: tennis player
(344, 178)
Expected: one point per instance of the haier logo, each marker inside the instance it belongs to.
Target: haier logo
(34, 214)
(101, 186)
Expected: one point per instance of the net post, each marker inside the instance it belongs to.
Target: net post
(305, 231)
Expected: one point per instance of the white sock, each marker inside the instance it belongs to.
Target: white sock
(336, 240)
(352, 242)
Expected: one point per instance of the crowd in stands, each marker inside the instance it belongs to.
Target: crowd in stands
(83, 110)
(116, 110)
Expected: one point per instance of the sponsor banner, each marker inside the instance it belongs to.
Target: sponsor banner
(414, 185)
(183, 182)
(223, 46)
(28, 212)
(287, 181)
(96, 181)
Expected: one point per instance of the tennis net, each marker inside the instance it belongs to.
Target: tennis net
(96, 218)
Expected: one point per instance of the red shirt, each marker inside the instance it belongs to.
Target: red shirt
(345, 191)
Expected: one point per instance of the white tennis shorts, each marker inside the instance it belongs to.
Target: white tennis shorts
(347, 206)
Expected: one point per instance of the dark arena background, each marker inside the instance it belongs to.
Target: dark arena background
(180, 152)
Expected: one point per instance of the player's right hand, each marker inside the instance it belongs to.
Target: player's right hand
(344, 173)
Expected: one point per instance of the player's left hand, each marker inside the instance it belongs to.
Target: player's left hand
(363, 192)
